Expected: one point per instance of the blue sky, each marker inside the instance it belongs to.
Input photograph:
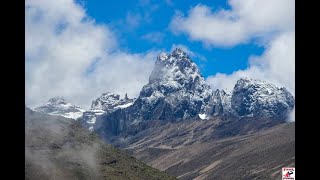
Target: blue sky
(155, 16)
(80, 49)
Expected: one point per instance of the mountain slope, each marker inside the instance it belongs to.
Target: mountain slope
(260, 155)
(57, 148)
(59, 106)
(191, 150)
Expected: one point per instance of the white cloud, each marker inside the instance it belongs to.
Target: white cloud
(68, 54)
(269, 21)
(247, 19)
(276, 65)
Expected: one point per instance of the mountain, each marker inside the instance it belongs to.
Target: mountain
(106, 103)
(177, 91)
(59, 106)
(180, 125)
(257, 98)
(57, 148)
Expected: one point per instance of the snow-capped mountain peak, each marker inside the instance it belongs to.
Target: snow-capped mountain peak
(178, 58)
(176, 70)
(107, 103)
(175, 83)
(177, 91)
(60, 106)
(162, 56)
(178, 52)
(259, 98)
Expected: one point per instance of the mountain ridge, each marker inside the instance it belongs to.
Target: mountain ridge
(108, 102)
(177, 91)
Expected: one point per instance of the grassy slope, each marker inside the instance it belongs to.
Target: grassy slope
(59, 148)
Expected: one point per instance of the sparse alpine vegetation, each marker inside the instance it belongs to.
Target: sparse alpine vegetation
(57, 148)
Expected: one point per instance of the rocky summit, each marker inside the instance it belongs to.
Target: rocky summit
(258, 98)
(106, 103)
(177, 91)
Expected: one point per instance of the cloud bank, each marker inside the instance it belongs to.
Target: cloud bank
(276, 65)
(245, 20)
(68, 54)
(268, 22)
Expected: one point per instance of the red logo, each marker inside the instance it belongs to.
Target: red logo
(288, 173)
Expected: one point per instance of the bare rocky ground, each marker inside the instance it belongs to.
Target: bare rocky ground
(200, 150)
(57, 148)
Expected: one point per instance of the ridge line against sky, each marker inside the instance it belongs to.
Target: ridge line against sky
(81, 49)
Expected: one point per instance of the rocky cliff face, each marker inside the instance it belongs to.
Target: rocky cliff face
(254, 98)
(109, 102)
(176, 90)
(105, 104)
(219, 104)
